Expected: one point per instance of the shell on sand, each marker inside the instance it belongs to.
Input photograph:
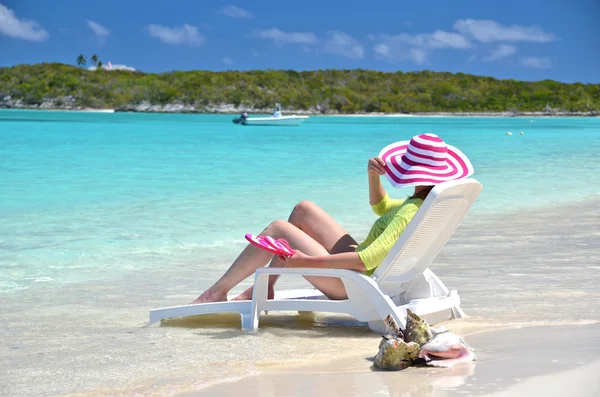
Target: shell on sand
(392, 328)
(395, 354)
(446, 349)
(392, 331)
(437, 347)
(417, 330)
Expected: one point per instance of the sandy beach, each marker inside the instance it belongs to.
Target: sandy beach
(516, 361)
(533, 284)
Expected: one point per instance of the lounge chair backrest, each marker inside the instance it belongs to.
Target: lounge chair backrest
(440, 214)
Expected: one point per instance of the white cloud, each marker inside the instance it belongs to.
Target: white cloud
(185, 34)
(23, 29)
(382, 50)
(431, 41)
(280, 37)
(416, 47)
(99, 30)
(235, 12)
(441, 39)
(501, 51)
(335, 42)
(535, 62)
(343, 44)
(227, 61)
(487, 31)
(417, 55)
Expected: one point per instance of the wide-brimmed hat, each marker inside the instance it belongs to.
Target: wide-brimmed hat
(424, 160)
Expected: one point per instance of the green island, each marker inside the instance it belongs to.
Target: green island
(61, 86)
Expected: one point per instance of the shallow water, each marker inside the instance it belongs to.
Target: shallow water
(105, 216)
(102, 195)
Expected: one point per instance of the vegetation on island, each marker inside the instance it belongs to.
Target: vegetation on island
(321, 91)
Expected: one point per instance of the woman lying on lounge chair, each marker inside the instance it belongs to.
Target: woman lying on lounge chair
(320, 242)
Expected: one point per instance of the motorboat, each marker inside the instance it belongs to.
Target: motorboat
(283, 120)
(275, 119)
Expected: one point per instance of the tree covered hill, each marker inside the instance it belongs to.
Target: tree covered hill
(321, 91)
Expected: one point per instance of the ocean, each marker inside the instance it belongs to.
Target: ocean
(106, 216)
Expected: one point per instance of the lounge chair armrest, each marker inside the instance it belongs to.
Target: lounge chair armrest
(350, 278)
(308, 271)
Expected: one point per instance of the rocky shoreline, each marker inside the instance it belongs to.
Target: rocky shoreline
(147, 107)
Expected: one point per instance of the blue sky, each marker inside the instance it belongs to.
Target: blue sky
(521, 39)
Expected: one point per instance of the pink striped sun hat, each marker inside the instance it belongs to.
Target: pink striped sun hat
(424, 160)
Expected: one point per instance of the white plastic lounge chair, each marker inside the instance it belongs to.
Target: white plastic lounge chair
(402, 281)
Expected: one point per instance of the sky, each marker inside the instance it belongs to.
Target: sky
(519, 39)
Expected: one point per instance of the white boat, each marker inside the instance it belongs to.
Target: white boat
(276, 119)
(281, 120)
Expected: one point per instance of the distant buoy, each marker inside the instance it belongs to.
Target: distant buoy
(508, 133)
(522, 133)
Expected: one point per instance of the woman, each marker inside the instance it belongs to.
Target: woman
(320, 242)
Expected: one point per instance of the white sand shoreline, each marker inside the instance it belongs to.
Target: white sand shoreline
(538, 360)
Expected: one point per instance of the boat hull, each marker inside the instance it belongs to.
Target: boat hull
(274, 121)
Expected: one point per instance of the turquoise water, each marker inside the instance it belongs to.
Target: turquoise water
(86, 196)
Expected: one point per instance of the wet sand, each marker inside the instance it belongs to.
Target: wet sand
(533, 361)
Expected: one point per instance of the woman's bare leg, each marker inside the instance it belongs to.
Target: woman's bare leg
(318, 224)
(253, 257)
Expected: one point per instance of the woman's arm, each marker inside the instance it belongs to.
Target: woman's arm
(344, 260)
(376, 190)
(378, 197)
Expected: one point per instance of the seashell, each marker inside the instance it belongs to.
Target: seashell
(396, 354)
(417, 330)
(446, 349)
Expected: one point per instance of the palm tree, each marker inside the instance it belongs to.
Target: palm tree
(95, 59)
(99, 65)
(81, 61)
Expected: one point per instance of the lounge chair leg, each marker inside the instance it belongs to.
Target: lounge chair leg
(457, 312)
(259, 300)
(367, 291)
(249, 322)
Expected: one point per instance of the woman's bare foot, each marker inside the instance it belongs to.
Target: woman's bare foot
(247, 295)
(210, 296)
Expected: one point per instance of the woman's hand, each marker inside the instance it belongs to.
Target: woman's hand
(376, 166)
(296, 260)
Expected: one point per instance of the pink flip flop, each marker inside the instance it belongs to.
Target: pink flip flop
(260, 242)
(281, 244)
(277, 247)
